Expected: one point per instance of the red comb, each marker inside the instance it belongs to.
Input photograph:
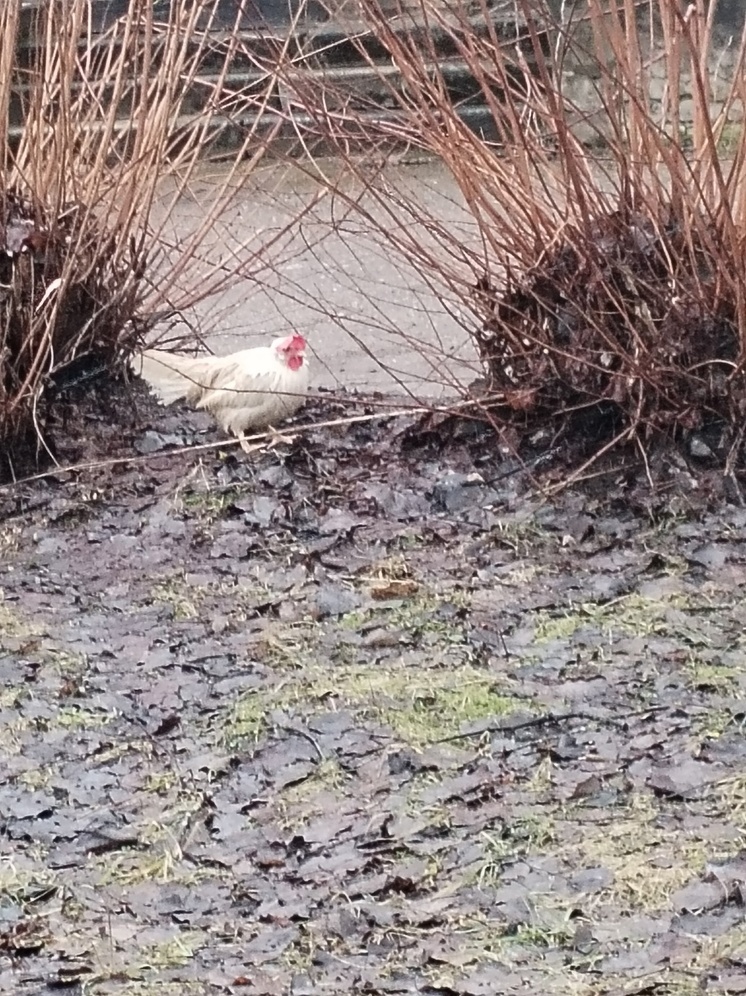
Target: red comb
(297, 342)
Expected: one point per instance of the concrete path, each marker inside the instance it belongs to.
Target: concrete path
(373, 323)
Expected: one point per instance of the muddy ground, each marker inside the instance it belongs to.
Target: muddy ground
(344, 718)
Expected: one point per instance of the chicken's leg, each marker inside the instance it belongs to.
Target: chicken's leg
(278, 437)
(275, 439)
(248, 447)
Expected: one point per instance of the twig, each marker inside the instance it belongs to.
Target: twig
(299, 732)
(546, 718)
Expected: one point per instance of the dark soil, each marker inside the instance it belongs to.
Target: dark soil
(626, 312)
(345, 718)
(90, 326)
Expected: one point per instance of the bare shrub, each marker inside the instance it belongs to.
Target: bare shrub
(104, 132)
(605, 273)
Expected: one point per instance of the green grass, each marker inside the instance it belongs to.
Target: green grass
(14, 624)
(189, 600)
(420, 704)
(631, 615)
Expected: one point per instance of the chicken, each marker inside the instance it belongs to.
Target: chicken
(252, 389)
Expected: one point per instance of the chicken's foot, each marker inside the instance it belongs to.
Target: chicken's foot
(275, 439)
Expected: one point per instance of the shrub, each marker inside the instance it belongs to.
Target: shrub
(605, 276)
(103, 132)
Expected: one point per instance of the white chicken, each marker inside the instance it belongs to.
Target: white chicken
(252, 389)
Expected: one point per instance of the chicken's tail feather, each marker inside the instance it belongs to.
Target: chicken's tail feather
(170, 376)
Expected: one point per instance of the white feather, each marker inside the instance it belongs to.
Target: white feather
(244, 391)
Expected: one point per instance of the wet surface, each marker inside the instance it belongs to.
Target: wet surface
(360, 715)
(373, 322)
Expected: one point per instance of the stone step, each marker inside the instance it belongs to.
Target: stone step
(360, 70)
